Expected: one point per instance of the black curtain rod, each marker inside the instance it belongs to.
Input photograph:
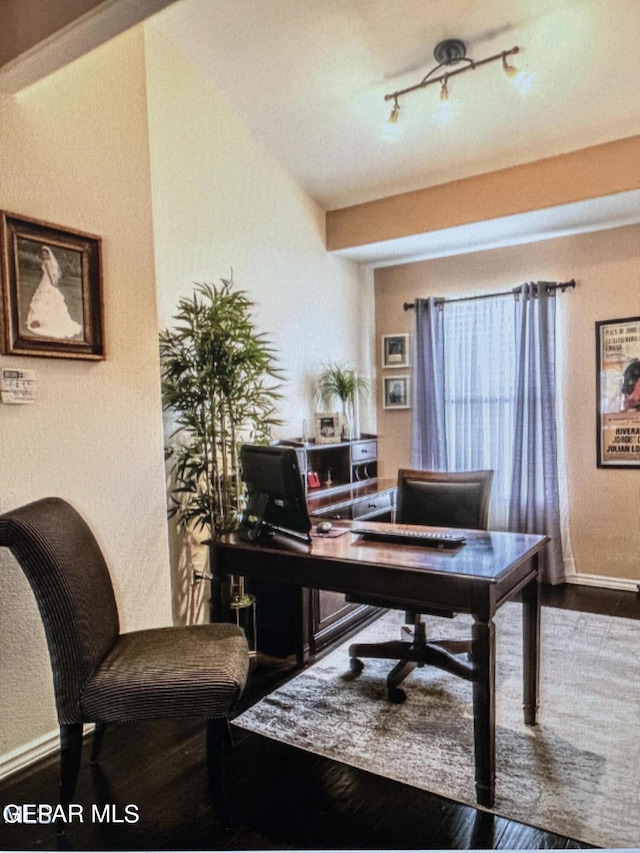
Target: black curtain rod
(549, 286)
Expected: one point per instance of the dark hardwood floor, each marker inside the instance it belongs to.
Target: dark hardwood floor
(280, 797)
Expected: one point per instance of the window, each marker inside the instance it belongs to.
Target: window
(485, 398)
(480, 393)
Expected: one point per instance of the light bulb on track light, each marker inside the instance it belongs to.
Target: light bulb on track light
(522, 80)
(445, 110)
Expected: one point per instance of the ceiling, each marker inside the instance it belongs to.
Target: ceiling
(308, 77)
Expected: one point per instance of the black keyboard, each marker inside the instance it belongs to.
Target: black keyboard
(426, 538)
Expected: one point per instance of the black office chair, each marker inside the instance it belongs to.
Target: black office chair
(440, 500)
(103, 676)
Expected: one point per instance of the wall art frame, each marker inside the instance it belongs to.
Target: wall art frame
(618, 393)
(395, 350)
(396, 392)
(52, 299)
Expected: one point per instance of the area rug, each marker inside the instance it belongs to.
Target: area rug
(576, 774)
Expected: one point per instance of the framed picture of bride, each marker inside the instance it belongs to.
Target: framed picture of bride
(51, 290)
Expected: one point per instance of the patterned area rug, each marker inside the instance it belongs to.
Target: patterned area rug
(576, 774)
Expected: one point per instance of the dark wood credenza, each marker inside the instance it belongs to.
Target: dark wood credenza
(301, 621)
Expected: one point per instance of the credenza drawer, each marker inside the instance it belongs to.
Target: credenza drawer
(361, 451)
(372, 505)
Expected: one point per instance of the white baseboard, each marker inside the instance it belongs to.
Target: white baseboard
(604, 582)
(23, 756)
(28, 754)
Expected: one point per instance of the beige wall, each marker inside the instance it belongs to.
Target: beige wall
(75, 153)
(604, 504)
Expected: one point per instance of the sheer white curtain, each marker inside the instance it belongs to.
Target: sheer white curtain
(479, 394)
(485, 398)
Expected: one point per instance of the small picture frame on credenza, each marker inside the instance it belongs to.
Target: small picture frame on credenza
(327, 427)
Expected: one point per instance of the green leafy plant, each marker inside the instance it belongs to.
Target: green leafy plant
(338, 380)
(221, 382)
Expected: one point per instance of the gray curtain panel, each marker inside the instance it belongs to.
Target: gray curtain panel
(526, 461)
(429, 434)
(535, 504)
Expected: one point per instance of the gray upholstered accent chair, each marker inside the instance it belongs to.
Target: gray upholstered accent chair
(102, 676)
(435, 499)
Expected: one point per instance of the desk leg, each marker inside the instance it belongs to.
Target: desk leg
(219, 604)
(483, 654)
(531, 650)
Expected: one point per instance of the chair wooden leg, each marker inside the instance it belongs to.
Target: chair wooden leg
(70, 752)
(218, 734)
(98, 735)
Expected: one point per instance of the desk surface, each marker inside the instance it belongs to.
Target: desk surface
(478, 575)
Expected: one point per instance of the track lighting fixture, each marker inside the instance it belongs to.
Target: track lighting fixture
(449, 53)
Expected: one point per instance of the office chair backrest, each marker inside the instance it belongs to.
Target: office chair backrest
(70, 580)
(442, 499)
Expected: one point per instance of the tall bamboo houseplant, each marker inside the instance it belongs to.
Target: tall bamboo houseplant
(221, 383)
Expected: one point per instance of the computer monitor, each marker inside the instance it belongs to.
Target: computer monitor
(276, 500)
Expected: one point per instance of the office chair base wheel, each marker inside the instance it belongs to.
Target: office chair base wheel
(356, 666)
(396, 695)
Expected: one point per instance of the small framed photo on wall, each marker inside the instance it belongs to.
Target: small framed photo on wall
(396, 391)
(51, 290)
(618, 392)
(395, 350)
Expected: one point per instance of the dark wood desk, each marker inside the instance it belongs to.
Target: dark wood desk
(476, 579)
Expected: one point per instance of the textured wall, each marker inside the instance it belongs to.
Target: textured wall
(75, 153)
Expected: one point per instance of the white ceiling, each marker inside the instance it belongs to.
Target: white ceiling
(308, 77)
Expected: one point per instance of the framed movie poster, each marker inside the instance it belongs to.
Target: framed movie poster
(51, 290)
(618, 393)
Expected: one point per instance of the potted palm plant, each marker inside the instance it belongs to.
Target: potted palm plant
(339, 380)
(221, 384)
